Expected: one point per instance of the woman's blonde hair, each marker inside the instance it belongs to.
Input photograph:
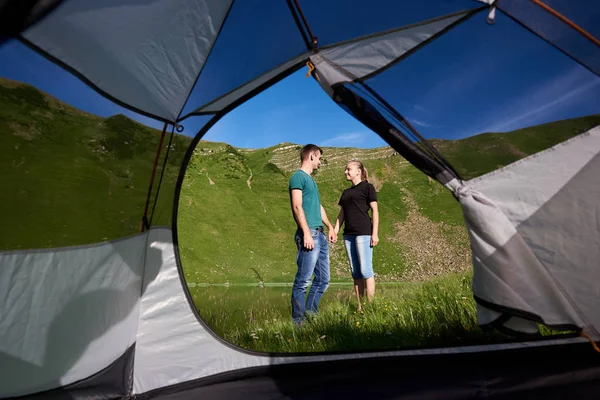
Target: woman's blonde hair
(364, 176)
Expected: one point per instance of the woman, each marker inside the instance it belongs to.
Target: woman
(360, 232)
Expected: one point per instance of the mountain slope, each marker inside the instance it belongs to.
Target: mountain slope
(69, 177)
(486, 152)
(72, 178)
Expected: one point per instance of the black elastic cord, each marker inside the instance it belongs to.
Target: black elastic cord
(162, 174)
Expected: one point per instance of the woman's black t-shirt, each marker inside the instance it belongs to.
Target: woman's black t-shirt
(355, 202)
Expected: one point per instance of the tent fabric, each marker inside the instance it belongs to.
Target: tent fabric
(67, 313)
(337, 21)
(226, 100)
(143, 54)
(165, 356)
(554, 372)
(112, 382)
(120, 295)
(15, 17)
(365, 56)
(257, 37)
(195, 73)
(558, 33)
(534, 234)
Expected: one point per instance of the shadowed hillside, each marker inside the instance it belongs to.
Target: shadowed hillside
(70, 177)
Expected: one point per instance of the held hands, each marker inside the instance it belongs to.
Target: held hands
(332, 235)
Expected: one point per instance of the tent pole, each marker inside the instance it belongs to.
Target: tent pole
(567, 21)
(314, 40)
(160, 143)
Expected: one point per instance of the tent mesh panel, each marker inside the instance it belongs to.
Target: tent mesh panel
(555, 31)
(469, 82)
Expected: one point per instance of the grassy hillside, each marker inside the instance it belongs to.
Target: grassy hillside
(478, 155)
(235, 223)
(69, 177)
(252, 240)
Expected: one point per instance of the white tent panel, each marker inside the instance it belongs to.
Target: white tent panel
(327, 73)
(224, 101)
(363, 57)
(534, 228)
(144, 53)
(66, 314)
(172, 346)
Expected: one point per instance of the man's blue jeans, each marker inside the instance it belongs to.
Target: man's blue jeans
(315, 261)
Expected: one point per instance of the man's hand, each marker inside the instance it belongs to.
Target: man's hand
(309, 243)
(332, 235)
(374, 240)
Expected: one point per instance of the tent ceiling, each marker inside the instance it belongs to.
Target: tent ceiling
(143, 54)
(169, 59)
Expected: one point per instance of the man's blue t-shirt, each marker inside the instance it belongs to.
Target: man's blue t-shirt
(311, 202)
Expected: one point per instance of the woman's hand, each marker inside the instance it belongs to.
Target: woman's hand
(332, 236)
(374, 240)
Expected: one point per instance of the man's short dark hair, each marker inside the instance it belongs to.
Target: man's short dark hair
(308, 150)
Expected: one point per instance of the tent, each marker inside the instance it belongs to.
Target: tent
(114, 320)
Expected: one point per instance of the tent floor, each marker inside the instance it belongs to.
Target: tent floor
(550, 372)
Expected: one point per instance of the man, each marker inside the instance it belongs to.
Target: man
(313, 246)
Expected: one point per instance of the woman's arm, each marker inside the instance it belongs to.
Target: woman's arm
(375, 233)
(339, 221)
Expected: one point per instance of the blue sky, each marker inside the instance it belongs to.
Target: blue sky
(470, 81)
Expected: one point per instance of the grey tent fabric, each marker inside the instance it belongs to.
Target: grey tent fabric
(224, 101)
(145, 54)
(363, 57)
(67, 313)
(534, 234)
(257, 37)
(557, 32)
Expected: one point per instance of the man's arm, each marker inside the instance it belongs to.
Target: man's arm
(300, 218)
(330, 230)
(375, 234)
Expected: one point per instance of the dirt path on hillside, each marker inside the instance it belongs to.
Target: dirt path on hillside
(249, 181)
(432, 248)
(210, 181)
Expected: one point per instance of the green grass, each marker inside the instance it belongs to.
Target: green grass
(420, 315)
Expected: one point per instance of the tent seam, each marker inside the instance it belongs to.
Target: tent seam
(467, 15)
(75, 247)
(198, 111)
(208, 53)
(400, 28)
(138, 319)
(88, 82)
